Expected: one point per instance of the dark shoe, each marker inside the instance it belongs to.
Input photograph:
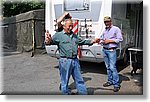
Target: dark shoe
(116, 89)
(56, 67)
(60, 87)
(107, 84)
(72, 93)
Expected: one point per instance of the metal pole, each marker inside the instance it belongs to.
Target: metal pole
(130, 60)
(33, 40)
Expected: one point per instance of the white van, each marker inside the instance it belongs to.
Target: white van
(90, 25)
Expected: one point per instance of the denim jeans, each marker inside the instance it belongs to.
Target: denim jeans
(110, 63)
(67, 68)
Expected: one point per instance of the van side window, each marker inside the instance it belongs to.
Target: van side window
(73, 5)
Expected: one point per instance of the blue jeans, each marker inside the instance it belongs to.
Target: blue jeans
(67, 68)
(110, 63)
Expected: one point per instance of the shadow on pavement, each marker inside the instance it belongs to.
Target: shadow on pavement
(91, 90)
(72, 85)
(98, 67)
(93, 67)
(123, 78)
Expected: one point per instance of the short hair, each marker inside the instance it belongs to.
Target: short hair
(64, 22)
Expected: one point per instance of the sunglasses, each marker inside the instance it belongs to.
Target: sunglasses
(106, 21)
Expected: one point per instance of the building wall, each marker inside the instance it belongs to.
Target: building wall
(18, 33)
(128, 17)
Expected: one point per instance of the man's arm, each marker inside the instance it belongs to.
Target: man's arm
(61, 18)
(88, 42)
(48, 38)
(116, 39)
(108, 41)
(51, 40)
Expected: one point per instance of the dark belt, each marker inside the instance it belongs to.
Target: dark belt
(74, 57)
(112, 48)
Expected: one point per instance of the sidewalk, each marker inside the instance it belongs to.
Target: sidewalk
(39, 75)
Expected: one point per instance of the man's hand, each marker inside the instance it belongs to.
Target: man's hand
(61, 18)
(48, 38)
(97, 40)
(67, 15)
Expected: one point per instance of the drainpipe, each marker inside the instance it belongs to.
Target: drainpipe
(33, 40)
(137, 29)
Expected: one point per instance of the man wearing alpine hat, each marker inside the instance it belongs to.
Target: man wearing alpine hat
(110, 39)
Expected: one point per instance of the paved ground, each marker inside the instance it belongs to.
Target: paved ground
(23, 74)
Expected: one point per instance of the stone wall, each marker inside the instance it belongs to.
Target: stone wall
(25, 31)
